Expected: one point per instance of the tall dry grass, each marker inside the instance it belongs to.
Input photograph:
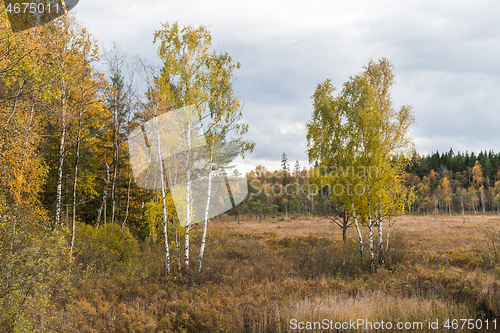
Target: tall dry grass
(375, 306)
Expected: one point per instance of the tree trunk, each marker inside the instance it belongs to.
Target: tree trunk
(128, 201)
(360, 238)
(77, 160)
(60, 167)
(188, 202)
(205, 224)
(75, 179)
(167, 249)
(370, 240)
(115, 168)
(345, 225)
(178, 246)
(163, 201)
(66, 206)
(186, 250)
(104, 198)
(381, 258)
(113, 194)
(312, 204)
(165, 218)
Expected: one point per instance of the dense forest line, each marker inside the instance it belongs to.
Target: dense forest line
(458, 162)
(441, 183)
(450, 183)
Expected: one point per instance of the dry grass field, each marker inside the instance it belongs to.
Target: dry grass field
(427, 228)
(434, 264)
(280, 276)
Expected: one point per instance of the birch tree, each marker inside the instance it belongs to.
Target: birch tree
(225, 131)
(116, 100)
(60, 78)
(355, 137)
(192, 75)
(86, 109)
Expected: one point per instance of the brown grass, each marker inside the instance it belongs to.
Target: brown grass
(259, 276)
(445, 232)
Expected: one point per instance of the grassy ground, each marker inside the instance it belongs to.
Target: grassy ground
(271, 276)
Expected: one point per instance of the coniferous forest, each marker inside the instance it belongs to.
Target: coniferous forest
(371, 230)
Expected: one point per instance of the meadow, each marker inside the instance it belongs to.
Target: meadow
(270, 276)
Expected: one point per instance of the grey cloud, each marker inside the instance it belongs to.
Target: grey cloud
(446, 57)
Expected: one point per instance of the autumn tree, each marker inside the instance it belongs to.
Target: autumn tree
(360, 141)
(193, 76)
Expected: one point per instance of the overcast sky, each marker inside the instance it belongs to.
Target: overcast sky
(446, 55)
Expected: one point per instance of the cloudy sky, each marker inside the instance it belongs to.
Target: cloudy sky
(446, 54)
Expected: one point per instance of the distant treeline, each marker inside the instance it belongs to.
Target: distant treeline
(458, 162)
(442, 183)
(450, 182)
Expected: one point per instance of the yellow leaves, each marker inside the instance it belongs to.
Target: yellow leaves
(153, 217)
(184, 53)
(153, 214)
(361, 129)
(477, 175)
(22, 171)
(445, 185)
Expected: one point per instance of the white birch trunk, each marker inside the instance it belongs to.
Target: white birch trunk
(75, 181)
(381, 258)
(60, 165)
(102, 208)
(186, 250)
(115, 168)
(482, 202)
(128, 201)
(163, 201)
(188, 201)
(203, 238)
(360, 238)
(77, 159)
(370, 240)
